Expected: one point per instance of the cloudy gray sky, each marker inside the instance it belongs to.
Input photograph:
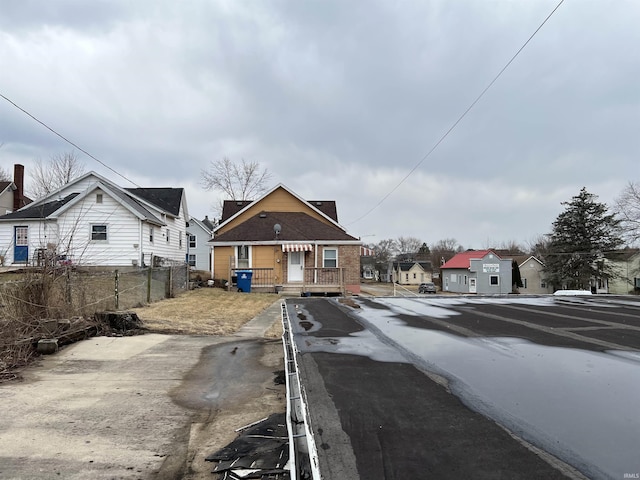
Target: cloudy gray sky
(339, 100)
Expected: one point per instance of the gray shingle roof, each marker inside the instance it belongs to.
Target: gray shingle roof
(168, 199)
(296, 226)
(42, 210)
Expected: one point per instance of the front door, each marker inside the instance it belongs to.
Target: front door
(295, 272)
(472, 285)
(21, 245)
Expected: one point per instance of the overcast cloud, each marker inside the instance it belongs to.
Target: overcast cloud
(339, 100)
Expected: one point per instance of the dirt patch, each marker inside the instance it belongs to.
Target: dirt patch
(205, 311)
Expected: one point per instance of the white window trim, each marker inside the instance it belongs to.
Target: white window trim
(249, 255)
(106, 232)
(497, 277)
(324, 257)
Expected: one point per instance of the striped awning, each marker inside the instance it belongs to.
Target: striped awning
(366, 252)
(297, 247)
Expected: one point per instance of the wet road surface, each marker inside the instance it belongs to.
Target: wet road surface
(412, 386)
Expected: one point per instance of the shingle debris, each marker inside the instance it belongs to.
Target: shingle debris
(261, 451)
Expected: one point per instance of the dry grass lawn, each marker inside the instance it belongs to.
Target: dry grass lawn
(205, 311)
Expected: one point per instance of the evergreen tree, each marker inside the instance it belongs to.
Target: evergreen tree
(580, 238)
(516, 276)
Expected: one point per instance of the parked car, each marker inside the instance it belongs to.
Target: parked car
(428, 287)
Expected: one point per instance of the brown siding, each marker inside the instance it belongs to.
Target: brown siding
(221, 262)
(277, 201)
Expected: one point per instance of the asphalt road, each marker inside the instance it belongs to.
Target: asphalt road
(471, 387)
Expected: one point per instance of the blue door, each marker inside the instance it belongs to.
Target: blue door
(21, 245)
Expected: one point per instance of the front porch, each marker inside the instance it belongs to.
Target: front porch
(316, 281)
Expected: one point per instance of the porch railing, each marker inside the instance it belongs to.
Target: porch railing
(324, 276)
(261, 277)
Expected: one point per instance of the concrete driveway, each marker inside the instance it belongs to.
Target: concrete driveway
(149, 406)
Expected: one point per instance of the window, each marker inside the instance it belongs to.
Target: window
(180, 241)
(151, 234)
(414, 276)
(99, 233)
(465, 279)
(192, 241)
(406, 276)
(243, 256)
(192, 260)
(524, 283)
(330, 258)
(543, 284)
(168, 235)
(98, 198)
(494, 280)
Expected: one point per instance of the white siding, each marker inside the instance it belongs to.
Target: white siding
(122, 246)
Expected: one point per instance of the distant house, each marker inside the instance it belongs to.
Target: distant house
(368, 270)
(288, 243)
(626, 267)
(532, 275)
(477, 271)
(12, 195)
(93, 222)
(199, 232)
(412, 273)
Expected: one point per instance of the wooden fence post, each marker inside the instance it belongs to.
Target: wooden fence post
(149, 279)
(117, 295)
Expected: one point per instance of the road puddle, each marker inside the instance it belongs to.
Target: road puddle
(579, 405)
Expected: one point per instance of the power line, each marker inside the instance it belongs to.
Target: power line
(455, 124)
(67, 140)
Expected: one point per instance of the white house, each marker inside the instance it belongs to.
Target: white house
(199, 232)
(93, 222)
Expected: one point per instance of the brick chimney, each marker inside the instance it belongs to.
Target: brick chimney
(18, 194)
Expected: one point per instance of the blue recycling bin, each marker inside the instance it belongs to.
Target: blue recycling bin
(244, 280)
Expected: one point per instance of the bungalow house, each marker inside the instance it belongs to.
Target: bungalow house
(93, 222)
(532, 275)
(12, 195)
(477, 271)
(412, 273)
(288, 243)
(198, 234)
(626, 272)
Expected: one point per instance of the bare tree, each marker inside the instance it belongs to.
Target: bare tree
(58, 171)
(408, 247)
(385, 250)
(627, 209)
(443, 250)
(5, 175)
(239, 181)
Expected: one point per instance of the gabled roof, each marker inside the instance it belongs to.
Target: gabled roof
(522, 260)
(4, 186)
(406, 266)
(167, 199)
(41, 210)
(463, 259)
(202, 224)
(295, 226)
(246, 204)
(208, 223)
(52, 204)
(231, 207)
